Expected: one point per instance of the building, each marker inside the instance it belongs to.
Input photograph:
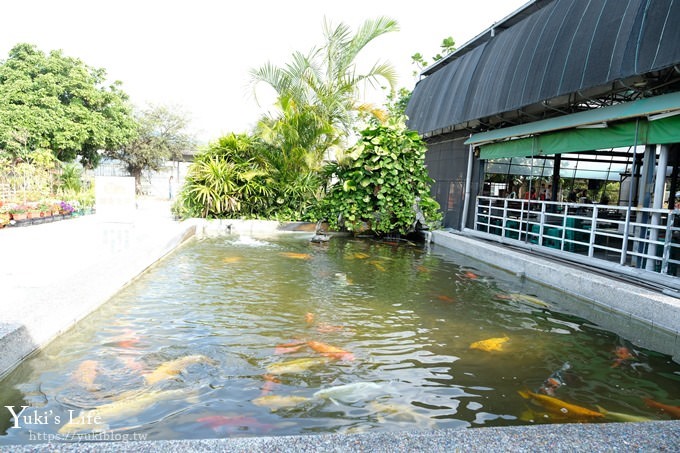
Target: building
(558, 130)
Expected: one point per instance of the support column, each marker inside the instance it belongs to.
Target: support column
(659, 185)
(644, 199)
(468, 182)
(674, 161)
(557, 163)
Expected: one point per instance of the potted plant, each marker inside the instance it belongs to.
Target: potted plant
(18, 212)
(45, 209)
(55, 207)
(32, 210)
(66, 208)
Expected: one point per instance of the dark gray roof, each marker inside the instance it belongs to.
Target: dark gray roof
(546, 50)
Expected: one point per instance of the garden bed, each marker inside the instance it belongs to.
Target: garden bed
(14, 215)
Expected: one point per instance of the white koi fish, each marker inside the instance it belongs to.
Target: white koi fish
(621, 417)
(98, 419)
(275, 402)
(296, 365)
(402, 413)
(350, 393)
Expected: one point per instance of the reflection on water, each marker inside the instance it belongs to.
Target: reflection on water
(238, 336)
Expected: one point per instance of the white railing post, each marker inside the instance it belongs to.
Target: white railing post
(593, 229)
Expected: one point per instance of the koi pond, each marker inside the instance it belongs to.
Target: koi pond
(243, 336)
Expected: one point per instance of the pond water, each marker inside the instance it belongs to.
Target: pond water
(241, 336)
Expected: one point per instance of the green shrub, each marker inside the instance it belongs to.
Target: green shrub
(376, 187)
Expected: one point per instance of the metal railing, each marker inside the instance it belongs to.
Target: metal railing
(642, 238)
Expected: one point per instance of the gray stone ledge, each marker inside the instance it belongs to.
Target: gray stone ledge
(604, 437)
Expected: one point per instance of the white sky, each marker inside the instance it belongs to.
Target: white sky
(197, 54)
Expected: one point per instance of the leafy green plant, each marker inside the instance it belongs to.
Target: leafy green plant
(70, 177)
(381, 183)
(86, 198)
(17, 209)
(227, 180)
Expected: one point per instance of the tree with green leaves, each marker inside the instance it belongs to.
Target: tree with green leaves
(51, 101)
(447, 46)
(160, 136)
(327, 80)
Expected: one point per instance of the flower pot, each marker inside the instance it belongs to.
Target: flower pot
(34, 214)
(20, 216)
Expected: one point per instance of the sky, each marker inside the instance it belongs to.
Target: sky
(196, 56)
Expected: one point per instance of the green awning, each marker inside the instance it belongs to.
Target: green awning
(614, 135)
(637, 109)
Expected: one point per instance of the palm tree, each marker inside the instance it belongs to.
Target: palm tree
(327, 80)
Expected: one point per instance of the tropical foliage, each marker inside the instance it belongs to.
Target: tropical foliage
(327, 82)
(279, 172)
(382, 185)
(240, 175)
(218, 177)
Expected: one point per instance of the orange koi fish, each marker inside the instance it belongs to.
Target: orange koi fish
(622, 354)
(127, 344)
(445, 298)
(270, 382)
(86, 373)
(491, 344)
(131, 363)
(554, 381)
(287, 348)
(470, 275)
(360, 256)
(423, 269)
(330, 351)
(309, 318)
(673, 411)
(296, 256)
(127, 339)
(560, 407)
